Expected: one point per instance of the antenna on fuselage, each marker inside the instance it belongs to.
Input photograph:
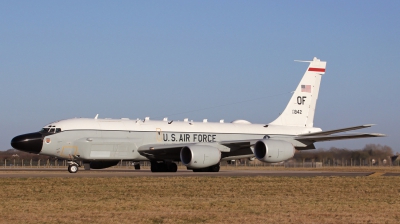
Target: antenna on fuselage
(97, 115)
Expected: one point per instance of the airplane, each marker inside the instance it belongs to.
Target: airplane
(200, 146)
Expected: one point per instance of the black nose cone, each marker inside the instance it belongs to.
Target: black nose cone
(31, 142)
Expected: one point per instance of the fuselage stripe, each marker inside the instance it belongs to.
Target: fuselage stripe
(316, 69)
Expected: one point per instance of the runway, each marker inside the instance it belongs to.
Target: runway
(53, 172)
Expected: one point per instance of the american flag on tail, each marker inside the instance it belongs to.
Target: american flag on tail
(306, 88)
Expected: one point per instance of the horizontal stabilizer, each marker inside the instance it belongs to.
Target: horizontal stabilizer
(338, 130)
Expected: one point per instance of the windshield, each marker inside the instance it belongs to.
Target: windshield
(50, 129)
(45, 130)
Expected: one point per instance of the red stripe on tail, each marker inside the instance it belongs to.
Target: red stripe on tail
(316, 69)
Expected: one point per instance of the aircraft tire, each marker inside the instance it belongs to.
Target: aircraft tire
(214, 168)
(137, 166)
(73, 168)
(155, 167)
(172, 167)
(202, 169)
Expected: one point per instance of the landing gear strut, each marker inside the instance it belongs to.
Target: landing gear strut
(73, 167)
(163, 167)
(136, 165)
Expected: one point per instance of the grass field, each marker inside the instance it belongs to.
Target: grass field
(200, 200)
(384, 169)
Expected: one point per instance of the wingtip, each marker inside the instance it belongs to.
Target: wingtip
(378, 135)
(368, 125)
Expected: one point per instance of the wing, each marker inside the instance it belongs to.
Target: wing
(322, 138)
(229, 150)
(243, 148)
(327, 135)
(338, 130)
(306, 141)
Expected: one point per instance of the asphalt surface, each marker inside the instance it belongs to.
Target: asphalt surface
(55, 172)
(391, 174)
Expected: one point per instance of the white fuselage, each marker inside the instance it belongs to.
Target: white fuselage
(116, 139)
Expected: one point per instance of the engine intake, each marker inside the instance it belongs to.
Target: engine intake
(273, 151)
(200, 156)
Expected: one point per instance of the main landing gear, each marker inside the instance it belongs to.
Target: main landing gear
(73, 166)
(136, 165)
(163, 167)
(214, 168)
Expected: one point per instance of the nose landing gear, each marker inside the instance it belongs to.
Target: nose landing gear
(73, 167)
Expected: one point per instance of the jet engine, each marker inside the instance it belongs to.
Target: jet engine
(200, 156)
(273, 151)
(103, 164)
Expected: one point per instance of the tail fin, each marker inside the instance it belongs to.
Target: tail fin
(301, 107)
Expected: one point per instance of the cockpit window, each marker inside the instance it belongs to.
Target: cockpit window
(51, 129)
(45, 130)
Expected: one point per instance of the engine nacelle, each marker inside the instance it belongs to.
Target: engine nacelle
(273, 151)
(102, 164)
(200, 156)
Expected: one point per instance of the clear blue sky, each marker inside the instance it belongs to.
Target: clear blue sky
(65, 59)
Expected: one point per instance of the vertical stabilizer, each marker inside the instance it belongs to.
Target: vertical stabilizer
(301, 107)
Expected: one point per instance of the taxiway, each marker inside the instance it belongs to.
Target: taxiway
(54, 172)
